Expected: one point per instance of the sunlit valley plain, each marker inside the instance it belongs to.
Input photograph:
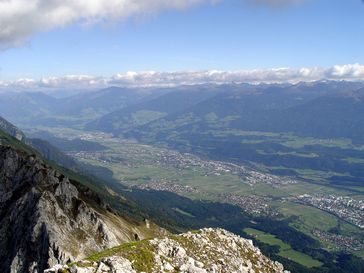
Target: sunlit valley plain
(177, 171)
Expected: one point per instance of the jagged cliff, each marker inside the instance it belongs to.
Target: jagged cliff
(45, 219)
(202, 251)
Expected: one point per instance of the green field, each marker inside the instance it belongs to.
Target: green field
(285, 250)
(134, 164)
(359, 254)
(288, 139)
(351, 160)
(308, 217)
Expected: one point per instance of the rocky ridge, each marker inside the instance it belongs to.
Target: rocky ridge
(11, 129)
(47, 220)
(203, 251)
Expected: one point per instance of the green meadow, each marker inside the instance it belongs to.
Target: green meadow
(285, 250)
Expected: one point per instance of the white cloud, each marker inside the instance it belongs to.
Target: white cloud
(277, 75)
(349, 72)
(72, 81)
(19, 19)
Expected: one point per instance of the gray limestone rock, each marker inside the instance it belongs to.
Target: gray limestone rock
(44, 219)
(204, 251)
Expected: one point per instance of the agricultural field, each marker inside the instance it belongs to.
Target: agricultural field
(285, 250)
(252, 187)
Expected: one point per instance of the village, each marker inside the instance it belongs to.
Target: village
(346, 208)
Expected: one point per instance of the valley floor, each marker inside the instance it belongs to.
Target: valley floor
(333, 216)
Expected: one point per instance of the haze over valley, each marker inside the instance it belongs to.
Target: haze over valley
(232, 140)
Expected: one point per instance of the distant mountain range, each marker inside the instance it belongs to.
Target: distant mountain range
(319, 109)
(29, 108)
(330, 115)
(323, 109)
(147, 111)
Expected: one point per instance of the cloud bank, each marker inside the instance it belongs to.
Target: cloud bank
(19, 19)
(349, 72)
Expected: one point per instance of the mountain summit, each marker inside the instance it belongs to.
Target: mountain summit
(202, 251)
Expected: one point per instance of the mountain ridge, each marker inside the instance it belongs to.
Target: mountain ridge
(200, 251)
(47, 219)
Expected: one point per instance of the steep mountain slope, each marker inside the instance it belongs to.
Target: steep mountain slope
(11, 129)
(46, 219)
(206, 250)
(52, 153)
(47, 150)
(74, 144)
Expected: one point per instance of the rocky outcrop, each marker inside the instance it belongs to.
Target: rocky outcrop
(45, 220)
(203, 251)
(12, 130)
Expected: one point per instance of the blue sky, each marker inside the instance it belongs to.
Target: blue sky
(229, 35)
